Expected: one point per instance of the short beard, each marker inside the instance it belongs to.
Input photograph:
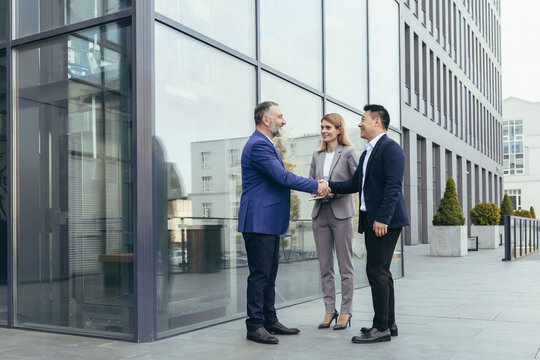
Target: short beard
(275, 130)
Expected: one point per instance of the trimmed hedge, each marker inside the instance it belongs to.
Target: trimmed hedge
(485, 214)
(523, 213)
(449, 212)
(533, 214)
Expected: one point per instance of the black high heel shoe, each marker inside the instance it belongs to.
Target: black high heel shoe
(327, 325)
(343, 326)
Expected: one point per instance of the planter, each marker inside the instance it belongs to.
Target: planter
(488, 235)
(448, 240)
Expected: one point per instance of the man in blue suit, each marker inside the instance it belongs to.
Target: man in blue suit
(264, 216)
(379, 180)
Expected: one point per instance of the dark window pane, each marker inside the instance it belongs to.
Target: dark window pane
(3, 20)
(36, 16)
(74, 240)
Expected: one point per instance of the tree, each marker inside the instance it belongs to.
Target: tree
(506, 208)
(533, 215)
(449, 212)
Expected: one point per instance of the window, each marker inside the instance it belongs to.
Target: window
(207, 209)
(234, 157)
(408, 63)
(206, 160)
(207, 183)
(513, 147)
(515, 197)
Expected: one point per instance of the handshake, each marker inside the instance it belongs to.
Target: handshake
(324, 189)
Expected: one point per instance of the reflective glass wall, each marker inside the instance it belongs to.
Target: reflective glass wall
(3, 189)
(207, 82)
(37, 16)
(73, 184)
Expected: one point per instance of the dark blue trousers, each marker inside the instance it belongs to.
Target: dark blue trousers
(263, 260)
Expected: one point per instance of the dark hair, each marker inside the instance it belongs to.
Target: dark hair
(261, 109)
(381, 112)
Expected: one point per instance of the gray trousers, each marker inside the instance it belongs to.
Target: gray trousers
(331, 233)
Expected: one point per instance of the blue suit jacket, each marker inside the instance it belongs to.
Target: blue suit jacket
(383, 185)
(266, 197)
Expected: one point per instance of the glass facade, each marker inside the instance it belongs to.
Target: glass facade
(73, 151)
(74, 240)
(203, 117)
(384, 78)
(291, 40)
(212, 18)
(3, 189)
(346, 64)
(36, 16)
(3, 20)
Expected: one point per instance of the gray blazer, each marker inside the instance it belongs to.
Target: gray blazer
(342, 168)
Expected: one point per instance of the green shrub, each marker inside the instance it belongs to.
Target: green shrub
(449, 212)
(533, 214)
(523, 213)
(485, 214)
(506, 208)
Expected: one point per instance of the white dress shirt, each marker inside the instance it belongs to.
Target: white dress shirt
(369, 148)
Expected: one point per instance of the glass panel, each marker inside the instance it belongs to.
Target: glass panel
(213, 18)
(204, 113)
(384, 58)
(303, 112)
(3, 20)
(346, 51)
(3, 189)
(291, 40)
(74, 240)
(37, 16)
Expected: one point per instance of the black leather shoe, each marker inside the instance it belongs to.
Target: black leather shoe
(393, 329)
(262, 336)
(280, 329)
(373, 335)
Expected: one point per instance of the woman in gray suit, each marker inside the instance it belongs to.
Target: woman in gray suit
(332, 219)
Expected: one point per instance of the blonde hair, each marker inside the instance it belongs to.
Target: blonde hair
(337, 121)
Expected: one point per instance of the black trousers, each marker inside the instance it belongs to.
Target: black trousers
(263, 260)
(379, 256)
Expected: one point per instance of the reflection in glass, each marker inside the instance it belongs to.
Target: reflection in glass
(37, 16)
(291, 39)
(204, 116)
(229, 22)
(3, 20)
(384, 81)
(74, 241)
(346, 55)
(3, 189)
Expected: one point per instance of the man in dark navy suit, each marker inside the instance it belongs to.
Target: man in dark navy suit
(379, 180)
(264, 216)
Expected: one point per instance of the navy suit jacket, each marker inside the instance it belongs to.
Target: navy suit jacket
(383, 185)
(265, 204)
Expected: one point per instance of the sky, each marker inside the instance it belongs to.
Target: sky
(520, 47)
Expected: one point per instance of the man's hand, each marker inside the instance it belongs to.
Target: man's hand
(380, 229)
(323, 189)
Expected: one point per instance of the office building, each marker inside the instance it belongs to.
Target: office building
(521, 139)
(451, 106)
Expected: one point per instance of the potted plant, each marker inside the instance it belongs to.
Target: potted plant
(448, 235)
(485, 224)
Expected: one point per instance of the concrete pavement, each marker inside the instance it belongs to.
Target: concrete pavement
(474, 307)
